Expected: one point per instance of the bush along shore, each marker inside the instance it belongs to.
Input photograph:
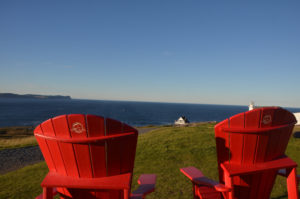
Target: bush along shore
(161, 151)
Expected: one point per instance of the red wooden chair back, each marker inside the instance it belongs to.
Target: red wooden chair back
(252, 137)
(87, 146)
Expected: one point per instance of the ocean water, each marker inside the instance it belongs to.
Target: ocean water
(16, 112)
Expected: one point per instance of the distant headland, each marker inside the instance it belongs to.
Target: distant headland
(32, 96)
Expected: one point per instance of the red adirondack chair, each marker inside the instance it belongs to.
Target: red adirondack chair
(90, 157)
(250, 151)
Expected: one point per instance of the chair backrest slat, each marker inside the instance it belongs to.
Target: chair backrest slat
(54, 148)
(61, 130)
(78, 129)
(236, 142)
(45, 150)
(130, 143)
(114, 147)
(96, 128)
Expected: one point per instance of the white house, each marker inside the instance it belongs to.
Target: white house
(251, 106)
(181, 121)
(297, 116)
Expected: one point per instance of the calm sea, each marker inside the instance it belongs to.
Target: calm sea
(18, 112)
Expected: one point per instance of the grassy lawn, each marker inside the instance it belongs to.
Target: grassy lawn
(163, 152)
(16, 137)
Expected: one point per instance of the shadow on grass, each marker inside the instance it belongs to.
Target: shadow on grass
(281, 197)
(297, 134)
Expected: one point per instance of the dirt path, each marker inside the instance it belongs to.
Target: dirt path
(13, 159)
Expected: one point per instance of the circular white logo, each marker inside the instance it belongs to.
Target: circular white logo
(267, 119)
(77, 127)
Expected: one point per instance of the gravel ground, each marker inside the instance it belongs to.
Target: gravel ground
(13, 159)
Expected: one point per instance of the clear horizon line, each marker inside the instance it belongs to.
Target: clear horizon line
(192, 103)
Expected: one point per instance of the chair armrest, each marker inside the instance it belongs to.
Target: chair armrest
(147, 185)
(198, 178)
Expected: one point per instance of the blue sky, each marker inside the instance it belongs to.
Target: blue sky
(214, 52)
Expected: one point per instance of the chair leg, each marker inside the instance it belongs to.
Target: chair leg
(292, 184)
(194, 191)
(126, 193)
(47, 193)
(228, 183)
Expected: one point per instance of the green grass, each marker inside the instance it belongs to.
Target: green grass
(163, 152)
(23, 183)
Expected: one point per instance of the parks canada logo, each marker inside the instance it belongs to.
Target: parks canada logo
(77, 127)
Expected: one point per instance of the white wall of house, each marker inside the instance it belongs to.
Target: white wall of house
(297, 116)
(180, 121)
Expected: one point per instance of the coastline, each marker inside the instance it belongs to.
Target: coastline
(32, 96)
